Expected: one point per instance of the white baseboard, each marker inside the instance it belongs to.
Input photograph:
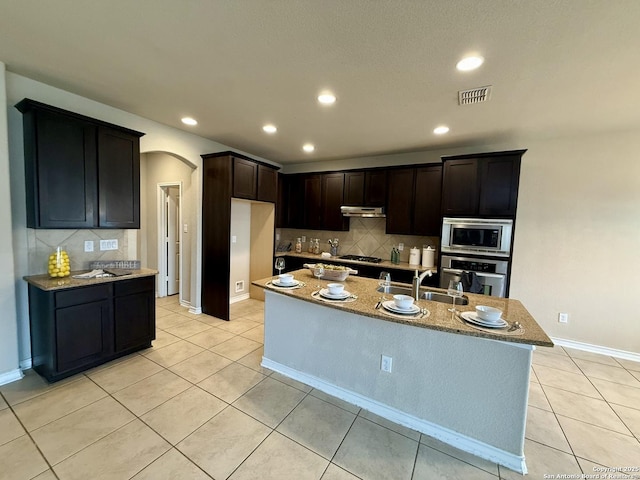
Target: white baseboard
(196, 310)
(240, 298)
(588, 347)
(11, 376)
(184, 303)
(26, 364)
(473, 446)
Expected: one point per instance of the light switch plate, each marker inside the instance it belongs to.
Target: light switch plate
(109, 244)
(88, 245)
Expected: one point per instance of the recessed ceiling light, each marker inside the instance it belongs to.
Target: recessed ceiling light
(270, 128)
(189, 121)
(441, 130)
(307, 147)
(327, 98)
(469, 63)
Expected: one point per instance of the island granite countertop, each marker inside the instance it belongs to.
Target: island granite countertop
(45, 282)
(439, 318)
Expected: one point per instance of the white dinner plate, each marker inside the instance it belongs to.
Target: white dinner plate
(334, 296)
(277, 283)
(472, 317)
(391, 306)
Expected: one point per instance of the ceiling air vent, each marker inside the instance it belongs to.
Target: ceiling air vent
(475, 95)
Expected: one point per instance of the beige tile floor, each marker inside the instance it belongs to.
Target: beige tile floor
(199, 406)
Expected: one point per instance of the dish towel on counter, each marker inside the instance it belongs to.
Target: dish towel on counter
(470, 282)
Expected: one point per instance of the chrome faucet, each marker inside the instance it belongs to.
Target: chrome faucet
(417, 280)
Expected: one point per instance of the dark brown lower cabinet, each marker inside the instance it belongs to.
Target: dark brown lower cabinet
(78, 328)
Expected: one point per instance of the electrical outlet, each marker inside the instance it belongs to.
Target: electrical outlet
(563, 317)
(234, 239)
(88, 245)
(401, 247)
(386, 363)
(109, 244)
(239, 286)
(185, 228)
(303, 238)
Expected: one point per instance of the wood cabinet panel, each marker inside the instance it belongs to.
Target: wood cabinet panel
(245, 177)
(79, 328)
(118, 179)
(483, 184)
(267, 184)
(332, 199)
(83, 335)
(312, 201)
(400, 201)
(134, 314)
(62, 181)
(354, 188)
(79, 172)
(460, 187)
(427, 198)
(375, 188)
(499, 179)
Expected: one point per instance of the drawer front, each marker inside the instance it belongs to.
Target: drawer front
(135, 285)
(78, 296)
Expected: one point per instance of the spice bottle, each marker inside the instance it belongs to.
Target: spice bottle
(298, 245)
(310, 249)
(316, 246)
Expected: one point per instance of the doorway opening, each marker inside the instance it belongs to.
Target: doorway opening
(170, 239)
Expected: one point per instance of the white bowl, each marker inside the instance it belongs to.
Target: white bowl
(285, 278)
(335, 288)
(488, 313)
(403, 302)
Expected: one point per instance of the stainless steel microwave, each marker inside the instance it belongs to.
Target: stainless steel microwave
(481, 236)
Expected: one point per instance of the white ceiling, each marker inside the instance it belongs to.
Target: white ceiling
(558, 67)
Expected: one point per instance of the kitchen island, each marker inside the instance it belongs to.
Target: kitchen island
(464, 386)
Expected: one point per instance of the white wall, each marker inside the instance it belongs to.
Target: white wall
(577, 243)
(160, 167)
(577, 247)
(9, 370)
(240, 254)
(157, 138)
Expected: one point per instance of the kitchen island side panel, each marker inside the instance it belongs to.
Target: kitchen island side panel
(474, 386)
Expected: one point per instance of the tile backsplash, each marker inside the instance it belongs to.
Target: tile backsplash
(366, 236)
(43, 242)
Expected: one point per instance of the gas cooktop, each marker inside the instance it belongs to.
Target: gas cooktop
(361, 258)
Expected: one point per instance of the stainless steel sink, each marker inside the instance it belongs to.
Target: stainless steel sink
(424, 295)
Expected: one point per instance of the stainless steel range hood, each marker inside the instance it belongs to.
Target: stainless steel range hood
(367, 212)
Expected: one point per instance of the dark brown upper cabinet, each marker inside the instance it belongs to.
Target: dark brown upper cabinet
(118, 179)
(400, 200)
(354, 188)
(253, 180)
(313, 201)
(426, 200)
(413, 203)
(332, 199)
(79, 172)
(267, 184)
(481, 184)
(365, 188)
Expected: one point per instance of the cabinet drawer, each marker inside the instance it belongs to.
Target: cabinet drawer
(135, 285)
(77, 296)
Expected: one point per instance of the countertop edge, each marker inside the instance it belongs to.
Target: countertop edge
(46, 283)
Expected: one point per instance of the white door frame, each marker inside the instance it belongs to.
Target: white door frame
(162, 259)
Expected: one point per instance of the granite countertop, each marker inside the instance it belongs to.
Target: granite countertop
(45, 282)
(316, 258)
(438, 319)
